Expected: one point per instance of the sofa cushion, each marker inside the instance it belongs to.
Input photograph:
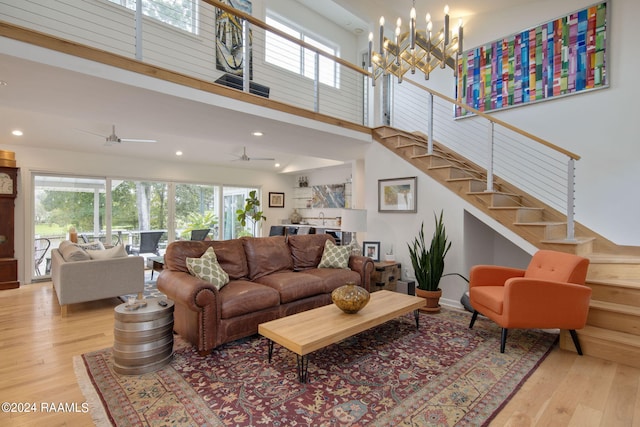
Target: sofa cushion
(71, 252)
(117, 251)
(306, 250)
(230, 255)
(266, 255)
(293, 286)
(335, 256)
(242, 297)
(334, 278)
(207, 268)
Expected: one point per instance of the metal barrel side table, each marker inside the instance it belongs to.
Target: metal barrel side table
(143, 337)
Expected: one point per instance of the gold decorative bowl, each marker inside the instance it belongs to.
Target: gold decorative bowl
(350, 298)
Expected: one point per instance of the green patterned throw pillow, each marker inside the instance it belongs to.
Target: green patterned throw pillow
(207, 268)
(335, 256)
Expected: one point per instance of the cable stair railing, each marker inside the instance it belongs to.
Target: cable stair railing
(611, 332)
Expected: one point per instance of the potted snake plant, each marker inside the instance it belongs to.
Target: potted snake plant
(428, 263)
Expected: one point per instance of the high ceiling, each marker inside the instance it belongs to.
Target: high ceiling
(64, 109)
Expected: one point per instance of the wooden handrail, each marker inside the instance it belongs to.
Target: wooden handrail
(497, 121)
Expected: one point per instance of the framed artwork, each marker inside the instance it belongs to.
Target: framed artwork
(372, 250)
(229, 39)
(565, 56)
(276, 200)
(397, 195)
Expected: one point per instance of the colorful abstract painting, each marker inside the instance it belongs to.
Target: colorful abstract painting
(564, 56)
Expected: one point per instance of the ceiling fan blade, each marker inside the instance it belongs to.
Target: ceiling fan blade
(261, 158)
(136, 140)
(89, 132)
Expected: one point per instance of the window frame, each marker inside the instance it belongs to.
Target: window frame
(304, 54)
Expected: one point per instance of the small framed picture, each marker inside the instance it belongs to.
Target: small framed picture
(276, 200)
(397, 195)
(371, 250)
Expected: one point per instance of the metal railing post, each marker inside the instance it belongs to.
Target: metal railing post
(316, 84)
(138, 24)
(570, 199)
(430, 126)
(246, 62)
(490, 157)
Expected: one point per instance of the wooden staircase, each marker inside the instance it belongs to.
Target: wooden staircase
(613, 326)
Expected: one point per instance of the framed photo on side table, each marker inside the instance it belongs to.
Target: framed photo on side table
(372, 250)
(276, 200)
(397, 195)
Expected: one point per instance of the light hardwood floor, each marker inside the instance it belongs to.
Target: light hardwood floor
(37, 348)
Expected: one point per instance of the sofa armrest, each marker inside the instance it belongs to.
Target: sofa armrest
(80, 281)
(364, 267)
(190, 291)
(492, 275)
(197, 308)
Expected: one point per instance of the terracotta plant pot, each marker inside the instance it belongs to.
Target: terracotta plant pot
(433, 300)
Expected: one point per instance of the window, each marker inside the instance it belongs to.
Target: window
(61, 202)
(291, 56)
(178, 13)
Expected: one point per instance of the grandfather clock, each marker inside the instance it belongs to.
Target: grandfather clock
(8, 193)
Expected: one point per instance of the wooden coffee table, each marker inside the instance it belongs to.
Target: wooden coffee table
(314, 329)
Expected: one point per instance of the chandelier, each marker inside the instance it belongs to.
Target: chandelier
(416, 49)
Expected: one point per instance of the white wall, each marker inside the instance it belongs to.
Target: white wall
(600, 126)
(473, 241)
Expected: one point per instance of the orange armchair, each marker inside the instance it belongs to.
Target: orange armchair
(550, 293)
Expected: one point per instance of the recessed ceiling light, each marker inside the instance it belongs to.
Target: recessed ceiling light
(178, 153)
(277, 165)
(257, 133)
(17, 132)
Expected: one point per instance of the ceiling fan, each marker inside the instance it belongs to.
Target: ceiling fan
(115, 139)
(246, 158)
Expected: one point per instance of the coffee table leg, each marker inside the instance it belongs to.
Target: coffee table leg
(416, 313)
(303, 368)
(270, 352)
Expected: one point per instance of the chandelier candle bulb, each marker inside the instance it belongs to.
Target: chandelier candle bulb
(382, 34)
(412, 28)
(370, 49)
(446, 25)
(460, 36)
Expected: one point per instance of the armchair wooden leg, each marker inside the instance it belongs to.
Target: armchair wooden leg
(574, 337)
(503, 339)
(473, 319)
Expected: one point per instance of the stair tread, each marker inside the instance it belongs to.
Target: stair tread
(601, 258)
(540, 223)
(615, 307)
(624, 283)
(569, 242)
(610, 335)
(491, 193)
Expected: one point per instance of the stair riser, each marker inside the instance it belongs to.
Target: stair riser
(555, 231)
(582, 249)
(621, 322)
(529, 215)
(603, 271)
(602, 349)
(615, 294)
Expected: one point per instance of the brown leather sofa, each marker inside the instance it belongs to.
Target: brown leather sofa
(270, 277)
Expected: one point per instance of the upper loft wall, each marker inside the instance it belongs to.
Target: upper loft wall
(600, 125)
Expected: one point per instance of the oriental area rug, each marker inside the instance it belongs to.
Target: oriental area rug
(443, 374)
